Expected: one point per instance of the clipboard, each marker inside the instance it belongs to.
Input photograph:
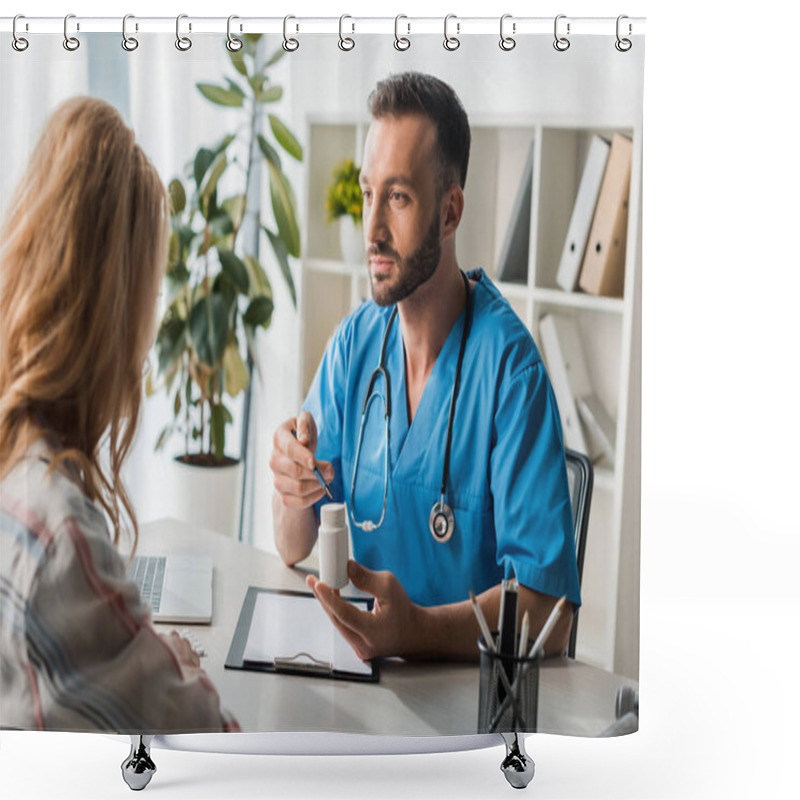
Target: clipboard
(299, 661)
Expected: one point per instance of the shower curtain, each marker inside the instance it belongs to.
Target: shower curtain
(294, 205)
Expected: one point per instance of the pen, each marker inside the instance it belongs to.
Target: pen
(487, 634)
(318, 474)
(547, 628)
(523, 634)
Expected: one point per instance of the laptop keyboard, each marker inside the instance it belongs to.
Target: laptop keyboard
(147, 572)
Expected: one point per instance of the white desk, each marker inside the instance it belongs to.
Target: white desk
(428, 699)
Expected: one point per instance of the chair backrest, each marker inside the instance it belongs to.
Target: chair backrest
(581, 479)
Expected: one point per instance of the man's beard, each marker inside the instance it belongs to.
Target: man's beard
(412, 271)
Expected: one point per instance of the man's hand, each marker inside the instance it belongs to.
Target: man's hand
(292, 462)
(392, 628)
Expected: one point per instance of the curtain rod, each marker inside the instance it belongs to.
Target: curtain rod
(300, 25)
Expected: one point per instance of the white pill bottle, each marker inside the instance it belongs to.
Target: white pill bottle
(334, 539)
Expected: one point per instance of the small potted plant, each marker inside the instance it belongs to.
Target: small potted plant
(344, 202)
(218, 293)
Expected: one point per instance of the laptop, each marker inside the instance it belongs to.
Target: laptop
(177, 588)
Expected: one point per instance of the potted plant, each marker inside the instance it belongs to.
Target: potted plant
(345, 203)
(218, 293)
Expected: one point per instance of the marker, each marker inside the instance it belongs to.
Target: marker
(318, 474)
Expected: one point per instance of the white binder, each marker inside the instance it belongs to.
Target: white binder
(600, 427)
(566, 366)
(582, 214)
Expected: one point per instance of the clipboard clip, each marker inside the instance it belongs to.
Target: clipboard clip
(297, 662)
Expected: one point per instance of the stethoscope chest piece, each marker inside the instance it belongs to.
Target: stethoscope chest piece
(442, 522)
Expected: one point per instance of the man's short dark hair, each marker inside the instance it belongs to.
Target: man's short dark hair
(417, 93)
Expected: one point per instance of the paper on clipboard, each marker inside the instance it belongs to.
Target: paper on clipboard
(284, 626)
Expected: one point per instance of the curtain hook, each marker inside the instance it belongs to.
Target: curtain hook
(451, 42)
(623, 45)
(290, 45)
(71, 43)
(183, 43)
(507, 42)
(233, 44)
(345, 42)
(561, 43)
(401, 42)
(18, 42)
(128, 42)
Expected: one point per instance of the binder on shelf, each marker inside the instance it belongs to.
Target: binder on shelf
(286, 631)
(566, 366)
(603, 269)
(599, 425)
(512, 265)
(582, 214)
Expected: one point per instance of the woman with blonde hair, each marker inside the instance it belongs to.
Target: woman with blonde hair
(82, 256)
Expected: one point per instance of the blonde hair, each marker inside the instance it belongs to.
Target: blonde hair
(82, 254)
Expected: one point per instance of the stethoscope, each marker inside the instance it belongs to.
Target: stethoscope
(441, 522)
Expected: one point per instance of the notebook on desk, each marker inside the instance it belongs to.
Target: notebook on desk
(177, 588)
(286, 631)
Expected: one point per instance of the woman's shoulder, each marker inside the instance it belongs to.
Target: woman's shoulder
(39, 498)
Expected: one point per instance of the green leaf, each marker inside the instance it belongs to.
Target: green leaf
(268, 151)
(235, 207)
(220, 95)
(236, 375)
(173, 251)
(286, 139)
(276, 57)
(285, 209)
(218, 431)
(237, 59)
(177, 196)
(257, 82)
(223, 286)
(251, 41)
(202, 161)
(259, 312)
(212, 176)
(170, 341)
(223, 145)
(283, 262)
(163, 436)
(208, 325)
(233, 267)
(221, 225)
(235, 88)
(259, 282)
(269, 95)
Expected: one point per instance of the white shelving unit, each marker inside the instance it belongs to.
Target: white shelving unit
(609, 327)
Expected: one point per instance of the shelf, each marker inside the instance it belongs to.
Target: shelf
(517, 291)
(587, 302)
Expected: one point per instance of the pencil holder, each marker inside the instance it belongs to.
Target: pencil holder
(497, 711)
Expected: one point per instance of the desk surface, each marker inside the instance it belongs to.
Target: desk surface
(420, 699)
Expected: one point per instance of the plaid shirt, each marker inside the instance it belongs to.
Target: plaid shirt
(77, 648)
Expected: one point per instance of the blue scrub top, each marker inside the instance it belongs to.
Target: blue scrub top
(507, 482)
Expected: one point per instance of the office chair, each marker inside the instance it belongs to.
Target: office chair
(581, 479)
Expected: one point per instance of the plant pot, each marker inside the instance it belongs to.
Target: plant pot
(351, 240)
(208, 496)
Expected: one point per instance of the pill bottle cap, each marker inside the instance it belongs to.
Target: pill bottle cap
(333, 515)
